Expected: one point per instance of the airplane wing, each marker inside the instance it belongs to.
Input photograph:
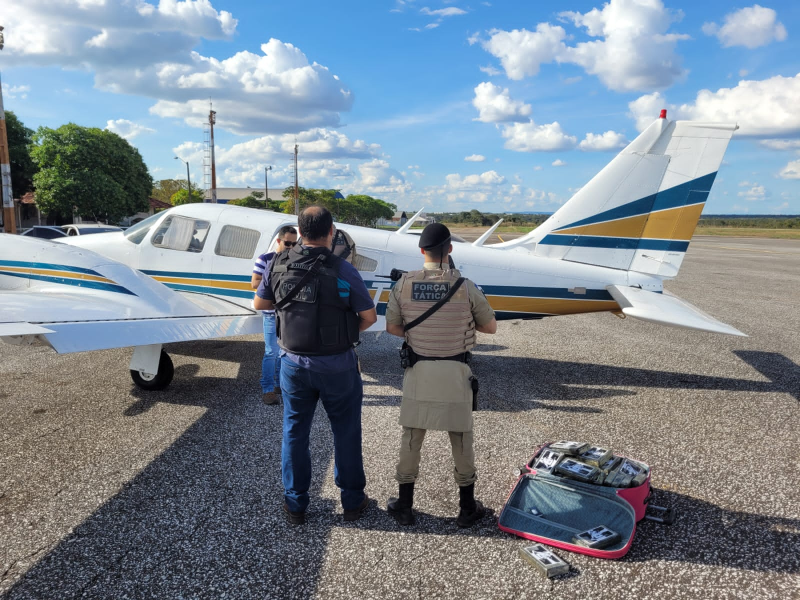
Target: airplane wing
(666, 309)
(75, 300)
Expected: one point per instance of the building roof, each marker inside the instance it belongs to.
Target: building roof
(158, 204)
(400, 214)
(226, 193)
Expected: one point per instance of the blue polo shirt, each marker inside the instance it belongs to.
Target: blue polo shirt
(351, 287)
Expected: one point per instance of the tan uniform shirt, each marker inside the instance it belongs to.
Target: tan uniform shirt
(438, 394)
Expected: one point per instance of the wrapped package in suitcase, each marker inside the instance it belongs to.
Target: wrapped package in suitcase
(579, 497)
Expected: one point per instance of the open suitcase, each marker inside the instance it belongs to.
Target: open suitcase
(580, 498)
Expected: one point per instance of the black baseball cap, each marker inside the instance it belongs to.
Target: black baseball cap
(433, 236)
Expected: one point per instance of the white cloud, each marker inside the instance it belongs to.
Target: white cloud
(475, 158)
(743, 72)
(496, 106)
(142, 49)
(754, 193)
(791, 170)
(537, 168)
(319, 153)
(610, 140)
(634, 51)
(781, 144)
(559, 163)
(765, 108)
(750, 27)
(379, 178)
(127, 129)
(491, 71)
(450, 11)
(522, 52)
(529, 137)
(780, 208)
(12, 92)
(472, 182)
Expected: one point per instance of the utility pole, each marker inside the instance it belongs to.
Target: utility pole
(9, 218)
(266, 187)
(212, 118)
(188, 181)
(296, 187)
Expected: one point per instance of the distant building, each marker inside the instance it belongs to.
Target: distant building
(225, 195)
(156, 205)
(401, 217)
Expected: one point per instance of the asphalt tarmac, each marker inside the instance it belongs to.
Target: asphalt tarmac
(108, 492)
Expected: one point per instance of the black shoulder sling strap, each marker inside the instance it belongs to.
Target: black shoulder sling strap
(299, 286)
(436, 306)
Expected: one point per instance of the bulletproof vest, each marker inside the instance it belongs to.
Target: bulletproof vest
(344, 246)
(451, 329)
(316, 321)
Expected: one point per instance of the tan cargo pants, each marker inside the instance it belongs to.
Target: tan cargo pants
(463, 455)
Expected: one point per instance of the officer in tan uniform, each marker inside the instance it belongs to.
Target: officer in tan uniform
(437, 312)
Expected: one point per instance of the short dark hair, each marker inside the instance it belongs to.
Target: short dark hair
(315, 223)
(439, 252)
(285, 230)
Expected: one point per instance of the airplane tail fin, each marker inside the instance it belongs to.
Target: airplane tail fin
(640, 211)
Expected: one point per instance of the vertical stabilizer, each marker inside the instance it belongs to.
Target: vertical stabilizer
(640, 211)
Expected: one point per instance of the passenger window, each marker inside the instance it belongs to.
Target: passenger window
(181, 233)
(364, 263)
(237, 242)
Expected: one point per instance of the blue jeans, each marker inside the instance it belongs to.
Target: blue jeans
(271, 363)
(341, 395)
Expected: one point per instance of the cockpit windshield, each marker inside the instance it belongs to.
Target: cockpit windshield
(136, 233)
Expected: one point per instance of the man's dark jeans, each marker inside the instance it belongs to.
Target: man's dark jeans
(341, 395)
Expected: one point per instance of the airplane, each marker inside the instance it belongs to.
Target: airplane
(184, 273)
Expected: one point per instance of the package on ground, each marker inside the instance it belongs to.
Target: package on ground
(548, 460)
(545, 561)
(555, 505)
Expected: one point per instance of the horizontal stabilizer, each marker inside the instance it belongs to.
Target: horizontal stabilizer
(12, 329)
(666, 309)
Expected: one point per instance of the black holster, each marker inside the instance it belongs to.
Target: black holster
(407, 356)
(475, 387)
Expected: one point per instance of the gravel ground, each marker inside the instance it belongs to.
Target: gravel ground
(106, 492)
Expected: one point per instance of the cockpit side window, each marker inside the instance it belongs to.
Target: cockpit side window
(181, 233)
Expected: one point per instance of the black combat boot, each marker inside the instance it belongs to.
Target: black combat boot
(471, 510)
(400, 508)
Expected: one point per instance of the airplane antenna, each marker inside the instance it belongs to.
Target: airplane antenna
(479, 242)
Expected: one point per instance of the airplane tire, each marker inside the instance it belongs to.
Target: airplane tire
(160, 380)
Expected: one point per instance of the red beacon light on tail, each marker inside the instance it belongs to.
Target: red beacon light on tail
(663, 114)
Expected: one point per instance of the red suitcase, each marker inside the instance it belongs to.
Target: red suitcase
(550, 504)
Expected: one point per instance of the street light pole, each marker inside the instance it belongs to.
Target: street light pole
(266, 187)
(188, 181)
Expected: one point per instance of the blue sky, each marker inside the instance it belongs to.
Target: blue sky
(451, 105)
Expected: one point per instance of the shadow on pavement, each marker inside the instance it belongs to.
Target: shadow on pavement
(704, 533)
(782, 372)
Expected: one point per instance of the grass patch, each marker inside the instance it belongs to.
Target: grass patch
(778, 234)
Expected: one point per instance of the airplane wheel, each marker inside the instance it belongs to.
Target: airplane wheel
(158, 381)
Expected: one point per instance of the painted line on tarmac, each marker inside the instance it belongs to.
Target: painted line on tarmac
(743, 249)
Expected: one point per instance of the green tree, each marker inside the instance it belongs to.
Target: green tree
(307, 198)
(253, 200)
(164, 190)
(23, 168)
(90, 172)
(182, 197)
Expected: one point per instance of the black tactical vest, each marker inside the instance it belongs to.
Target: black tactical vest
(316, 321)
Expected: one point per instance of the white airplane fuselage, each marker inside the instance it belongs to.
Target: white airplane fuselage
(517, 283)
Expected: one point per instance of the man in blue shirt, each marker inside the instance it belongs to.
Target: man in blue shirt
(271, 364)
(322, 304)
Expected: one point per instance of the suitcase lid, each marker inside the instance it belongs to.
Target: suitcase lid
(554, 510)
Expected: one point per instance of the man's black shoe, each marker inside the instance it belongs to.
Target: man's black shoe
(400, 508)
(403, 515)
(469, 518)
(294, 518)
(355, 514)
